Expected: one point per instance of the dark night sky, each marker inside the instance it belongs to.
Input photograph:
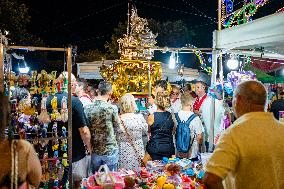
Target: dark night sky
(89, 23)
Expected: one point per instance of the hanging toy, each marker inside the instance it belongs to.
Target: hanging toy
(43, 117)
(55, 115)
(44, 130)
(64, 145)
(65, 160)
(64, 131)
(54, 129)
(55, 149)
(64, 110)
(53, 89)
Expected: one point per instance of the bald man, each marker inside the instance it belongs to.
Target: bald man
(250, 154)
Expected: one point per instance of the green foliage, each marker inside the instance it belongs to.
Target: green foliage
(90, 55)
(14, 18)
(171, 33)
(112, 45)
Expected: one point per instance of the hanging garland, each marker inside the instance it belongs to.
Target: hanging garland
(241, 16)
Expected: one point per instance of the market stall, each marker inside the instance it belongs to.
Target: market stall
(28, 118)
(169, 173)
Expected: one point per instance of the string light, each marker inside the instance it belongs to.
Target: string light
(242, 15)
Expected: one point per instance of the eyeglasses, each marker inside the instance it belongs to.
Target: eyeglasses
(173, 93)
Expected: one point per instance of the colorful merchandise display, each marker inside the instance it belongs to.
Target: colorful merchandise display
(169, 173)
(31, 121)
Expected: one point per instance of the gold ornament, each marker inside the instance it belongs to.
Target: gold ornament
(131, 76)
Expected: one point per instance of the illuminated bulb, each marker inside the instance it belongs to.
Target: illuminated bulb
(172, 63)
(24, 70)
(232, 64)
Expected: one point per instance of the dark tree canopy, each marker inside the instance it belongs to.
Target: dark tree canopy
(14, 18)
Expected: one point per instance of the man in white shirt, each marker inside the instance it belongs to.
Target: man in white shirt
(203, 107)
(250, 154)
(81, 93)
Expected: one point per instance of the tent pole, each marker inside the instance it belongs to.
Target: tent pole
(69, 69)
(3, 98)
(149, 79)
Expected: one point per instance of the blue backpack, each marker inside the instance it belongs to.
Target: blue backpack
(183, 137)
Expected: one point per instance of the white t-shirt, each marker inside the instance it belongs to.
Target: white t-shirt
(86, 100)
(175, 106)
(196, 128)
(250, 153)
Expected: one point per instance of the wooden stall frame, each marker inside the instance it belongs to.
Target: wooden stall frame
(69, 70)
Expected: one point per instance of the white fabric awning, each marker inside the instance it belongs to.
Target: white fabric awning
(91, 70)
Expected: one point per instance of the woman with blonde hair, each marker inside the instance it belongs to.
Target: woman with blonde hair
(161, 125)
(131, 148)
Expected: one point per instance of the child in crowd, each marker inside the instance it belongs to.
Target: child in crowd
(186, 118)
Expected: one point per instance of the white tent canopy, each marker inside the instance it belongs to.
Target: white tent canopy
(266, 33)
(91, 70)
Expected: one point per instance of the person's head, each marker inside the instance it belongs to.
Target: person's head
(187, 100)
(81, 88)
(127, 103)
(162, 100)
(161, 86)
(200, 88)
(175, 93)
(64, 75)
(249, 96)
(187, 88)
(105, 89)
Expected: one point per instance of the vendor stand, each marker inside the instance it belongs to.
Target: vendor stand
(41, 83)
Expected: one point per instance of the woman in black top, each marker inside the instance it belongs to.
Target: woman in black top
(161, 126)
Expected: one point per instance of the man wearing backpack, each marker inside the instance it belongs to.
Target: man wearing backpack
(189, 130)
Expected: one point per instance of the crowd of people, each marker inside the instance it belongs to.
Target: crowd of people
(177, 123)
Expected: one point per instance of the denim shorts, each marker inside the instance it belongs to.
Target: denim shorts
(110, 160)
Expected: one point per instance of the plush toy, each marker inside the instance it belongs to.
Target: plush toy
(55, 116)
(64, 110)
(54, 129)
(43, 117)
(64, 131)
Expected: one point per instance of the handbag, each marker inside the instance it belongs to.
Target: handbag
(131, 142)
(15, 167)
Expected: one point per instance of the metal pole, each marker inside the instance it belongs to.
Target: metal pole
(213, 80)
(69, 69)
(31, 48)
(149, 78)
(1, 69)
